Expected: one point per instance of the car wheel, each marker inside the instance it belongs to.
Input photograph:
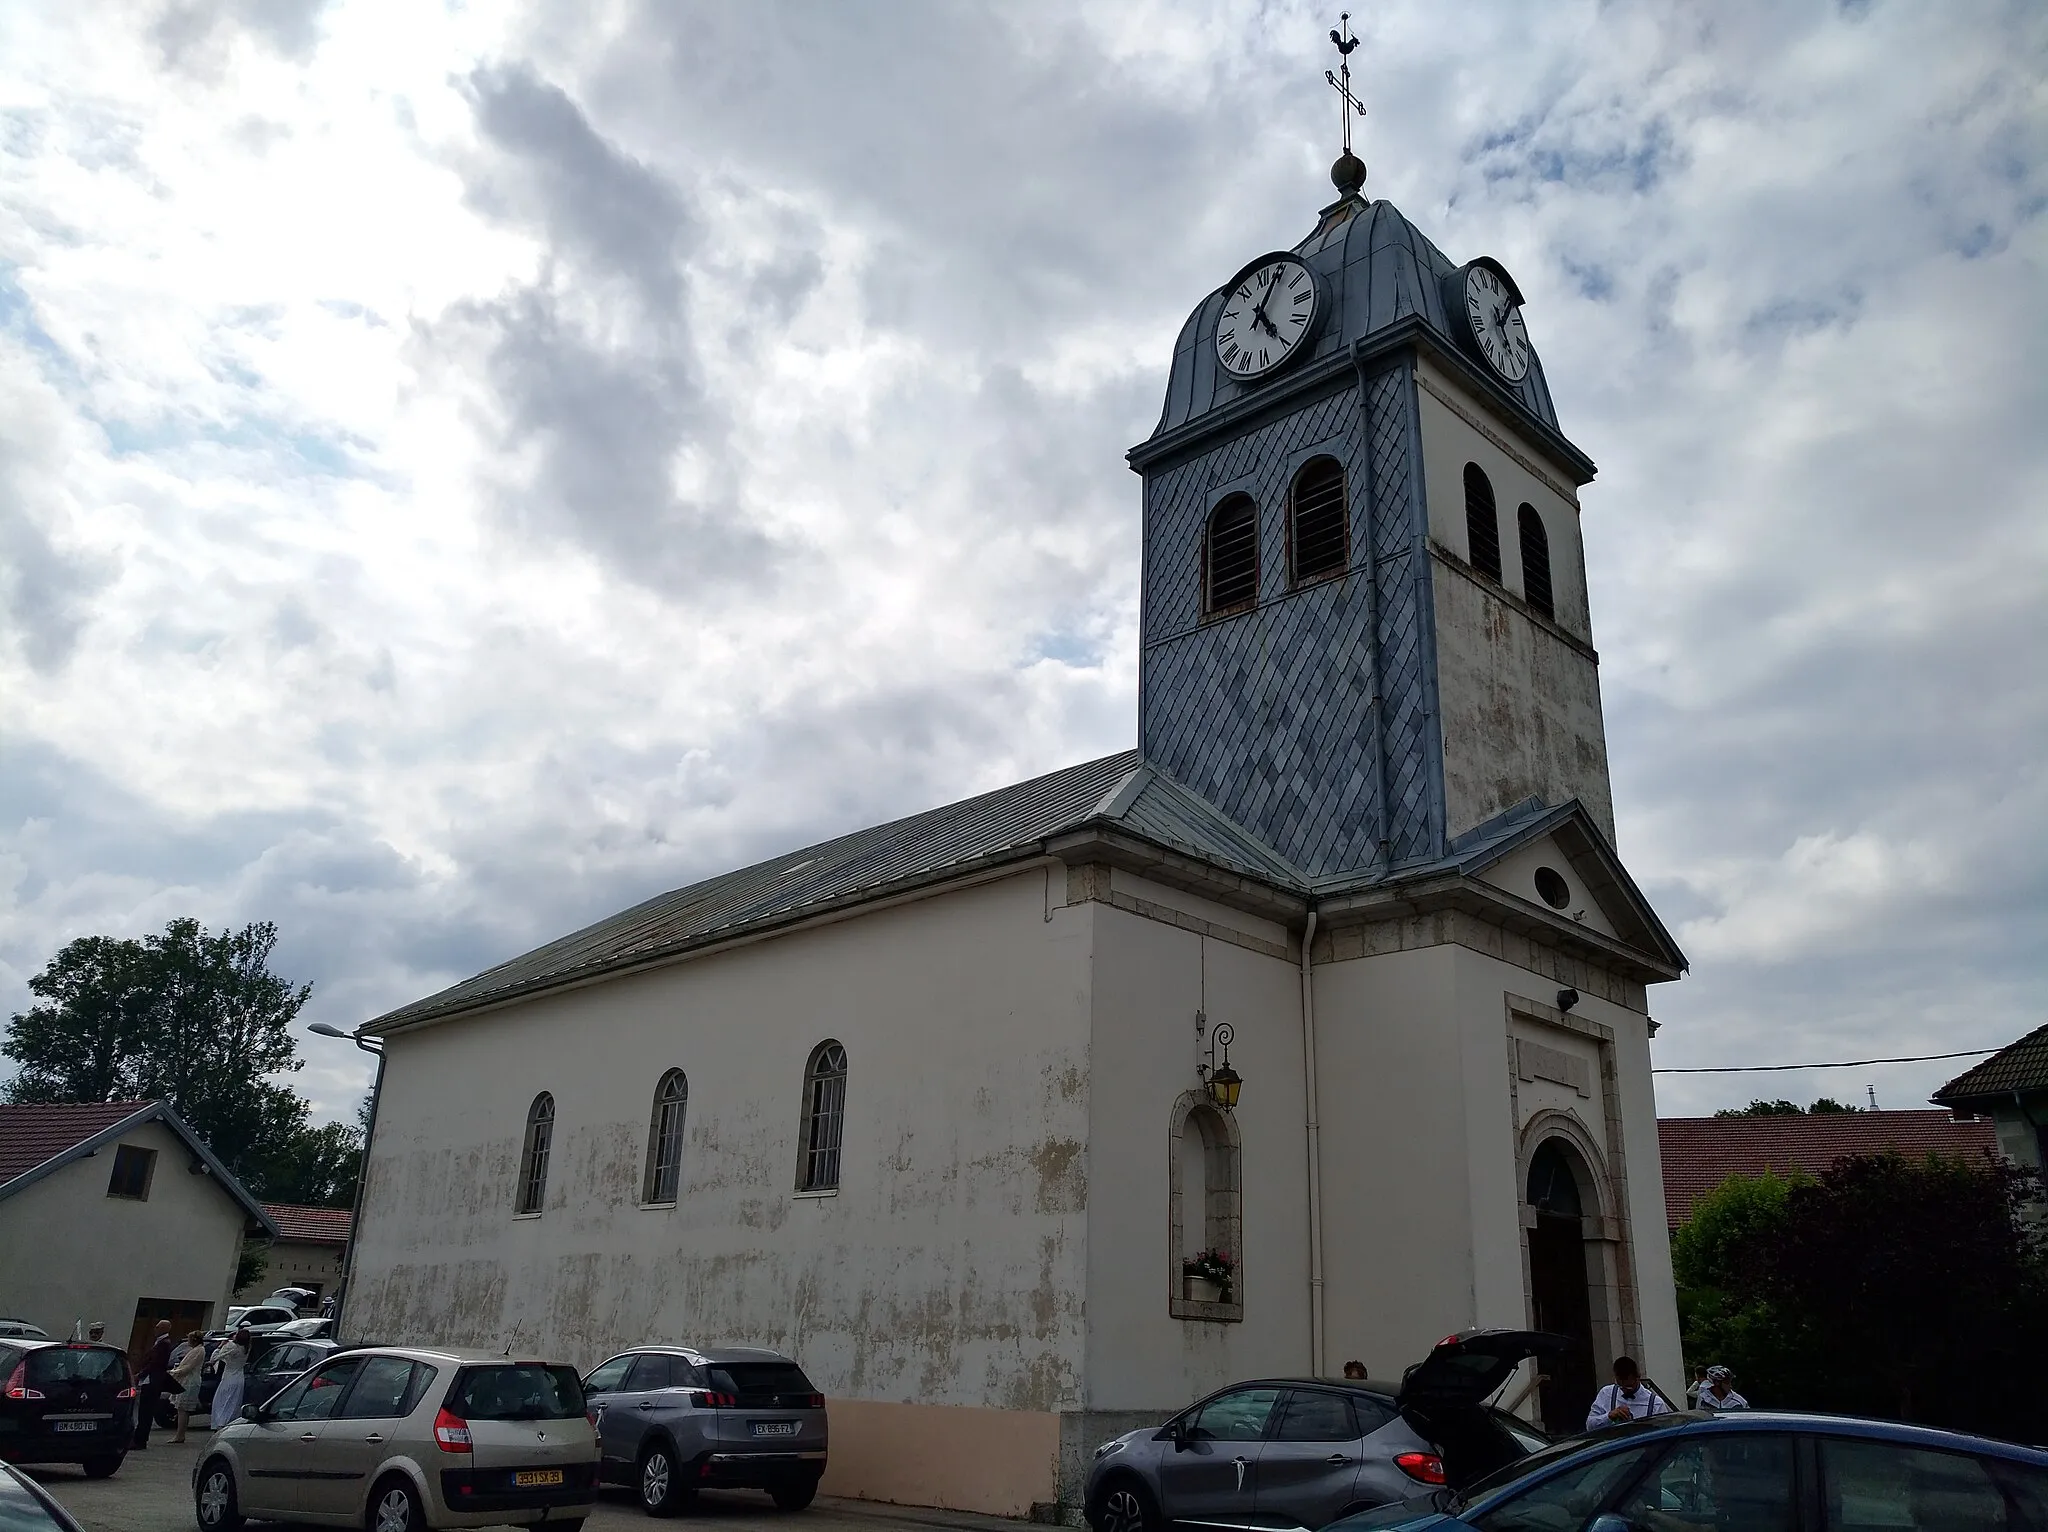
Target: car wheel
(394, 1507)
(103, 1467)
(213, 1502)
(662, 1490)
(1124, 1505)
(794, 1497)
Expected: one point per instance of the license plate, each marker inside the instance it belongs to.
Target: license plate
(74, 1425)
(775, 1428)
(536, 1478)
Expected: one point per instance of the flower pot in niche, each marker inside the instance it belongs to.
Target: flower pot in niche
(1201, 1289)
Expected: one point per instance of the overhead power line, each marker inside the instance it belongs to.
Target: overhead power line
(1752, 1069)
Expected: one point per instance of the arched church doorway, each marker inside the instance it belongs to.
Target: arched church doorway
(1559, 1295)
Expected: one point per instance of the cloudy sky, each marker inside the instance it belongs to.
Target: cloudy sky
(463, 470)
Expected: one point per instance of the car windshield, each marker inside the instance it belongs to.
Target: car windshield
(517, 1391)
(75, 1364)
(1556, 1452)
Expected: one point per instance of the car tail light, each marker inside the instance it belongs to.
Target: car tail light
(17, 1385)
(715, 1400)
(126, 1393)
(1422, 1467)
(817, 1401)
(451, 1431)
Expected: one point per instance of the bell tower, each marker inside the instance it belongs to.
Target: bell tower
(1364, 628)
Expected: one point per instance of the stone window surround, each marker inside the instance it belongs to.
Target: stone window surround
(1598, 1153)
(1225, 1229)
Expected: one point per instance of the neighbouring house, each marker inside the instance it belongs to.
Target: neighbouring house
(1338, 972)
(117, 1211)
(2010, 1088)
(1702, 1152)
(307, 1252)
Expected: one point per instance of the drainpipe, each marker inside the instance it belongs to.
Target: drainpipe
(1315, 1150)
(355, 1222)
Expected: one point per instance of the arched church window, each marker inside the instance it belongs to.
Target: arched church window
(1482, 523)
(1230, 557)
(1318, 522)
(665, 1139)
(533, 1160)
(1207, 1215)
(1553, 1188)
(824, 1118)
(1535, 559)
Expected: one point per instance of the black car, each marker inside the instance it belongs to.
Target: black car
(25, 1506)
(1746, 1471)
(66, 1402)
(274, 1364)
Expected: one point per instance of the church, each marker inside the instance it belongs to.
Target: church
(1312, 1029)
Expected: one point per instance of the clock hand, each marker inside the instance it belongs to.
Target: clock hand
(1259, 313)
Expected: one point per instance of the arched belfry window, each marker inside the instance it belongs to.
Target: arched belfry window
(1482, 523)
(1230, 557)
(1535, 560)
(1318, 522)
(1553, 1189)
(665, 1139)
(533, 1159)
(824, 1119)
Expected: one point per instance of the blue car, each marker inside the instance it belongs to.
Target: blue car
(1747, 1471)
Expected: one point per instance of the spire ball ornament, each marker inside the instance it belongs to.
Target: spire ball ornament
(1348, 174)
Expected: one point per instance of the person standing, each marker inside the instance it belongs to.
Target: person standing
(156, 1369)
(1354, 1370)
(227, 1392)
(1719, 1392)
(95, 1332)
(185, 1372)
(1628, 1397)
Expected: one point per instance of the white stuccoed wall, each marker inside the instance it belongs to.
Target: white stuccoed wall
(947, 1271)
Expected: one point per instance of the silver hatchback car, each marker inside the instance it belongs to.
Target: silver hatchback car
(402, 1438)
(673, 1420)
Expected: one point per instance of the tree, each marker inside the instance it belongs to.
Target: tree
(197, 1019)
(1783, 1108)
(1886, 1286)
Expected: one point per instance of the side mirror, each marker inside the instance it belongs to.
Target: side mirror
(1610, 1523)
(255, 1414)
(1172, 1432)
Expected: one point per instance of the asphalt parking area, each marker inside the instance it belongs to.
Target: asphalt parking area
(153, 1493)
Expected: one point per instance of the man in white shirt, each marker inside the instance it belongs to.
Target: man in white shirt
(1719, 1394)
(1628, 1397)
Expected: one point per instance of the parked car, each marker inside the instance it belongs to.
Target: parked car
(21, 1329)
(307, 1329)
(66, 1402)
(673, 1420)
(399, 1439)
(25, 1506)
(1303, 1452)
(260, 1317)
(297, 1299)
(1745, 1469)
(275, 1363)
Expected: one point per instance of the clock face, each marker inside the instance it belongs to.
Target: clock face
(1266, 317)
(1496, 323)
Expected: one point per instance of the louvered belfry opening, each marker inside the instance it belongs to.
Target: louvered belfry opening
(1535, 560)
(1318, 522)
(1482, 523)
(1230, 556)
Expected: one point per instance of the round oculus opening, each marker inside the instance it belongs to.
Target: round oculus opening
(1550, 884)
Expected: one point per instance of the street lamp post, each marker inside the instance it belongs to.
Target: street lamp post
(355, 1220)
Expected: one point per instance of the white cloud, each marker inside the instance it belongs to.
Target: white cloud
(461, 471)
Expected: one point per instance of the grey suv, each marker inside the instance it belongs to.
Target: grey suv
(672, 1420)
(1285, 1453)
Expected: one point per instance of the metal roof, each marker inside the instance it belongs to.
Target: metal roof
(2020, 1066)
(1121, 793)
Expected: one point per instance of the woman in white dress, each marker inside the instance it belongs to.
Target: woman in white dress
(227, 1394)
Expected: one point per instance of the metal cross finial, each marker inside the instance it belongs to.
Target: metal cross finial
(1340, 80)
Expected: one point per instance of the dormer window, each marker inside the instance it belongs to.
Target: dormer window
(1482, 524)
(1535, 560)
(1230, 557)
(1318, 522)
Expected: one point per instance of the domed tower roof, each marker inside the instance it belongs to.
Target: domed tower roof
(1380, 270)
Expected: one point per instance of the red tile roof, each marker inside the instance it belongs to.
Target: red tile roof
(1702, 1152)
(2016, 1067)
(312, 1226)
(33, 1134)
